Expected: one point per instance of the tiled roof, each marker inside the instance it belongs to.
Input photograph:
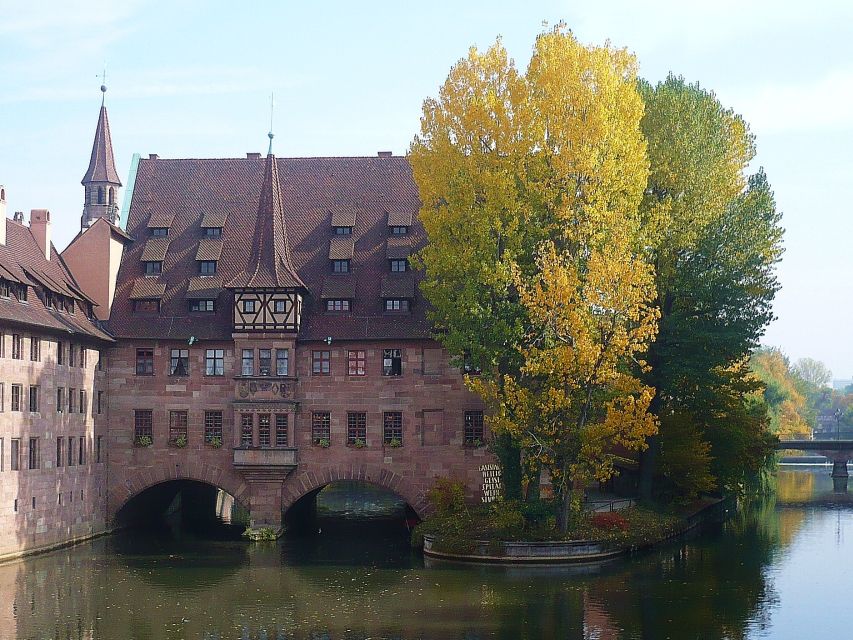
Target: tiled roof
(398, 286)
(399, 218)
(341, 248)
(102, 166)
(204, 287)
(155, 250)
(398, 248)
(161, 219)
(310, 188)
(343, 218)
(22, 261)
(209, 249)
(214, 219)
(338, 288)
(147, 288)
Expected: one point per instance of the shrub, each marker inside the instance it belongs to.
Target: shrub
(447, 496)
(610, 521)
(215, 442)
(143, 441)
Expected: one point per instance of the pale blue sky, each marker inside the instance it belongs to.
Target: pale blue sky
(193, 78)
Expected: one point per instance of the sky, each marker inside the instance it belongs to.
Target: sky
(193, 79)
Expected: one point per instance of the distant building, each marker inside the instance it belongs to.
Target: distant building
(840, 385)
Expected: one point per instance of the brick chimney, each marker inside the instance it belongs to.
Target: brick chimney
(40, 228)
(2, 214)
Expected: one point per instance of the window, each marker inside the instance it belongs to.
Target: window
(177, 426)
(98, 448)
(337, 305)
(60, 400)
(15, 455)
(213, 232)
(35, 348)
(2, 396)
(2, 345)
(71, 457)
(207, 267)
(281, 429)
(34, 399)
(100, 401)
(60, 353)
(16, 347)
(72, 399)
(17, 392)
(100, 364)
(248, 368)
(247, 427)
(145, 362)
(213, 427)
(340, 266)
(321, 422)
(248, 306)
(205, 306)
(71, 359)
(33, 454)
(263, 430)
(159, 232)
(214, 362)
(282, 363)
(146, 306)
(153, 267)
(4, 288)
(320, 362)
(392, 362)
(355, 363)
(473, 427)
(83, 401)
(281, 306)
(21, 293)
(392, 427)
(179, 362)
(398, 266)
(84, 359)
(343, 231)
(2, 455)
(143, 424)
(357, 428)
(396, 304)
(399, 231)
(81, 450)
(60, 451)
(264, 362)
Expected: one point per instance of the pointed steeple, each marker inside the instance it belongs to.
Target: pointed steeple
(101, 182)
(270, 265)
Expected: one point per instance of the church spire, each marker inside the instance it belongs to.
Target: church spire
(101, 182)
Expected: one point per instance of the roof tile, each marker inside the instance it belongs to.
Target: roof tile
(341, 248)
(214, 219)
(209, 249)
(147, 288)
(155, 250)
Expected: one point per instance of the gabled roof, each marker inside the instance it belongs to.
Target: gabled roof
(270, 265)
(102, 165)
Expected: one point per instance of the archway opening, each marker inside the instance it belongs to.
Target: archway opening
(184, 507)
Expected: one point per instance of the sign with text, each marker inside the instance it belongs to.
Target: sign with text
(491, 482)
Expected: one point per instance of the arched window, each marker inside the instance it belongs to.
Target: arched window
(2, 194)
(100, 195)
(112, 195)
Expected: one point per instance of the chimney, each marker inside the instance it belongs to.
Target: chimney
(253, 156)
(153, 156)
(40, 228)
(384, 154)
(2, 214)
(18, 217)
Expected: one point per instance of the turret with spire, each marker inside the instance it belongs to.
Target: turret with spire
(101, 182)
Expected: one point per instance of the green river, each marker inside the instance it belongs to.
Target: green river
(777, 569)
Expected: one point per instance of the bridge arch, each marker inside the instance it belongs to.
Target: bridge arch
(305, 482)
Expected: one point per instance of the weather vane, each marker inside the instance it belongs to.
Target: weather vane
(103, 83)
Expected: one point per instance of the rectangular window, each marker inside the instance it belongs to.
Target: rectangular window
(247, 428)
(60, 451)
(282, 363)
(248, 306)
(340, 266)
(2, 455)
(207, 267)
(214, 362)
(399, 266)
(100, 401)
(357, 428)
(178, 427)
(321, 424)
(263, 430)
(2, 396)
(264, 362)
(473, 427)
(34, 399)
(2, 345)
(153, 268)
(35, 348)
(60, 400)
(145, 362)
(71, 457)
(143, 424)
(356, 363)
(34, 454)
(281, 306)
(213, 232)
(392, 362)
(392, 427)
(84, 359)
(98, 449)
(213, 427)
(17, 392)
(159, 232)
(15, 454)
(83, 401)
(72, 400)
(399, 231)
(146, 306)
(60, 353)
(248, 368)
(71, 352)
(81, 450)
(204, 306)
(16, 347)
(281, 429)
(337, 305)
(179, 362)
(100, 364)
(343, 231)
(396, 304)
(320, 362)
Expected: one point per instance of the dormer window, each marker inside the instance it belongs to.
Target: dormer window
(399, 231)
(22, 293)
(337, 305)
(5, 290)
(396, 304)
(343, 231)
(202, 306)
(159, 232)
(213, 232)
(399, 266)
(153, 267)
(207, 267)
(340, 266)
(248, 306)
(146, 306)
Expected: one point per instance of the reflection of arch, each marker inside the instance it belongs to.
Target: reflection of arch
(138, 481)
(300, 484)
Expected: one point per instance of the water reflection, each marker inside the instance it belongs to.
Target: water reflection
(776, 570)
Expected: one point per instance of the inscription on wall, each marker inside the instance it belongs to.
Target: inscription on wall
(491, 482)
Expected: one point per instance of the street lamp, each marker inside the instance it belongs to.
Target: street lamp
(837, 415)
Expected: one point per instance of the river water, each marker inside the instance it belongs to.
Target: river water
(780, 568)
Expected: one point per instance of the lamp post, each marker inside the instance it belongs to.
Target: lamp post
(837, 424)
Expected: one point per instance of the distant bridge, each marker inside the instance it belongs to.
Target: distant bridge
(839, 451)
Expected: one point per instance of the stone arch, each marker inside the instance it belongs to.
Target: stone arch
(141, 479)
(301, 484)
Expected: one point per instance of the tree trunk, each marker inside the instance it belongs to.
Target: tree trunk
(509, 458)
(564, 514)
(648, 458)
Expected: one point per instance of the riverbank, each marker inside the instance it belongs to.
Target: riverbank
(492, 534)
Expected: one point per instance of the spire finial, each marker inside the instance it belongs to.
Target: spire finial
(271, 135)
(104, 84)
